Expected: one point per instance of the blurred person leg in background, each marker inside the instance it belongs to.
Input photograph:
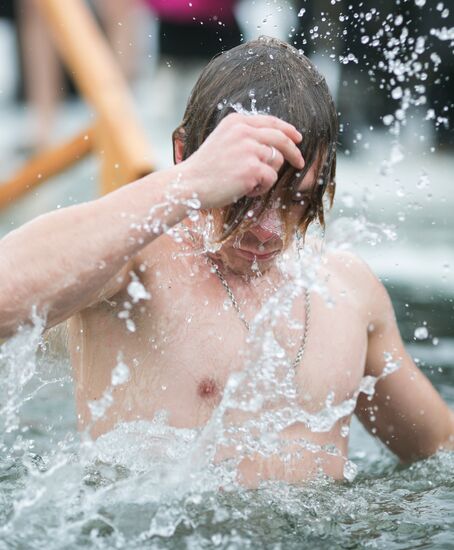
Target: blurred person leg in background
(189, 34)
(9, 80)
(45, 82)
(43, 77)
(8, 48)
(120, 20)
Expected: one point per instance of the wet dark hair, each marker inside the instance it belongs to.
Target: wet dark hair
(272, 77)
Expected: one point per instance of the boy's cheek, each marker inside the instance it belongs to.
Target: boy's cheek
(295, 214)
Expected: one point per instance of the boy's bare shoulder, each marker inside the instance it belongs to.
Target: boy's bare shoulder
(347, 262)
(356, 275)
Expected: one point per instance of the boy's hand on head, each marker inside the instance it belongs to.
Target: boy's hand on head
(242, 156)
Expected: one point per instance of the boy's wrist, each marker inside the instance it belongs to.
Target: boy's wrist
(185, 186)
(166, 198)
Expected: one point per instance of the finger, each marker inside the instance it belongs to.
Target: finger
(282, 143)
(266, 178)
(269, 121)
(265, 155)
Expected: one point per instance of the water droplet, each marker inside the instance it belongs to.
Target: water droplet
(120, 373)
(421, 333)
(423, 181)
(137, 291)
(345, 430)
(130, 325)
(193, 203)
(435, 58)
(350, 470)
(348, 200)
(397, 93)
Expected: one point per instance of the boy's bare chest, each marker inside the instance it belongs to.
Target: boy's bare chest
(188, 339)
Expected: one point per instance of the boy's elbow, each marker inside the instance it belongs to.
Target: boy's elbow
(10, 324)
(7, 329)
(442, 440)
(9, 318)
(12, 316)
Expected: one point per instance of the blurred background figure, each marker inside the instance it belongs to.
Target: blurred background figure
(198, 29)
(189, 35)
(43, 79)
(42, 82)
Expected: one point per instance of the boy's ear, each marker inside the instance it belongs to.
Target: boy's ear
(178, 145)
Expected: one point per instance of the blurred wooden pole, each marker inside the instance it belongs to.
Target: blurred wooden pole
(113, 172)
(45, 165)
(97, 75)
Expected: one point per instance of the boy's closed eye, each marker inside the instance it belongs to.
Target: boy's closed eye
(301, 198)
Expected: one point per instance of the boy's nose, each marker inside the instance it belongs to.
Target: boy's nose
(262, 234)
(268, 226)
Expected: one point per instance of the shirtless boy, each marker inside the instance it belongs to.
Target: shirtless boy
(256, 179)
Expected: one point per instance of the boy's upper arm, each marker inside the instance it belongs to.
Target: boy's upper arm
(120, 281)
(114, 285)
(405, 412)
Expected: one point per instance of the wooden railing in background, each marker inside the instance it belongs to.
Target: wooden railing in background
(45, 165)
(117, 136)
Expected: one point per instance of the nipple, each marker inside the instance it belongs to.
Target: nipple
(208, 388)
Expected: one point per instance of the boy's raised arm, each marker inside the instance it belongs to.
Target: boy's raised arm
(60, 262)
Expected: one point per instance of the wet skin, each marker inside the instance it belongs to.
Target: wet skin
(186, 343)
